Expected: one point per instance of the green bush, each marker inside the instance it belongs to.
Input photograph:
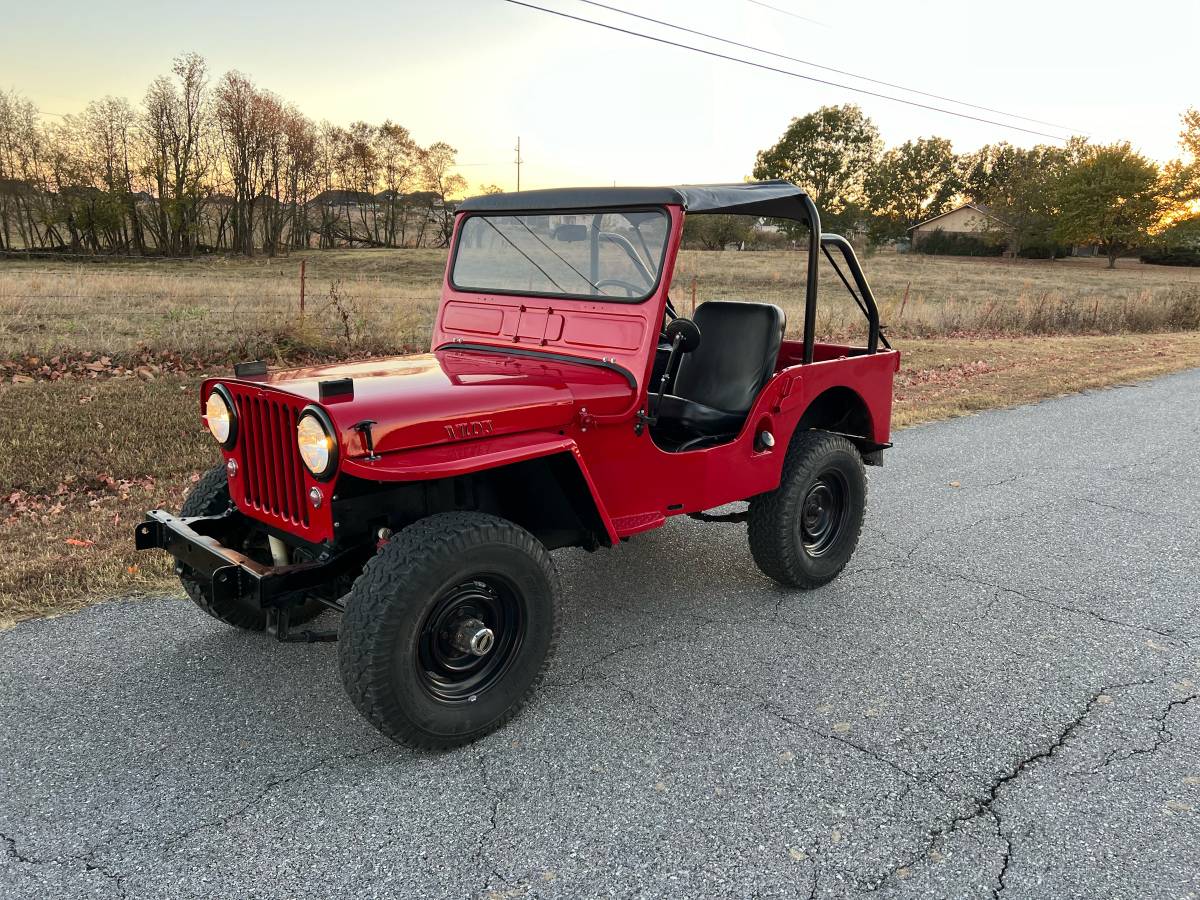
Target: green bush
(1172, 256)
(1044, 250)
(949, 243)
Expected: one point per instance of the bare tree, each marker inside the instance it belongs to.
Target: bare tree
(175, 118)
(398, 159)
(437, 161)
(251, 127)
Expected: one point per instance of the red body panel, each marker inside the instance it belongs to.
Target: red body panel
(489, 395)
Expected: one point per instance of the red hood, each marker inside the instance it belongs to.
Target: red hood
(449, 396)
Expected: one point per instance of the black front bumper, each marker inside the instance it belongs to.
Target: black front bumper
(197, 544)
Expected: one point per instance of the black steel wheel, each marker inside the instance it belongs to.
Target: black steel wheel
(469, 637)
(210, 497)
(823, 512)
(449, 629)
(804, 532)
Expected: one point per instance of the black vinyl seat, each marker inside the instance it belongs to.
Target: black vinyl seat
(719, 381)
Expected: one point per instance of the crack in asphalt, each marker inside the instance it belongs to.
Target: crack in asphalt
(88, 860)
(481, 855)
(1163, 735)
(270, 786)
(1062, 607)
(11, 843)
(695, 623)
(984, 805)
(1005, 860)
(861, 748)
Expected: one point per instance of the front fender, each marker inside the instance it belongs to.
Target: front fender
(467, 457)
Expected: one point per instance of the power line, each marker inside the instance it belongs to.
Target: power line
(805, 62)
(765, 67)
(787, 12)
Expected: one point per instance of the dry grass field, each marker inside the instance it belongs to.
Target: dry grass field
(91, 441)
(218, 309)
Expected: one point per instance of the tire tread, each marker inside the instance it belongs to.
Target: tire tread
(771, 514)
(371, 622)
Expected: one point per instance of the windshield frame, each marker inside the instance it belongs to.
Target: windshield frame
(651, 291)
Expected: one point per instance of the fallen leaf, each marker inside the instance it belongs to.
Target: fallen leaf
(841, 727)
(787, 756)
(76, 542)
(797, 855)
(660, 787)
(954, 484)
(21, 379)
(195, 477)
(132, 570)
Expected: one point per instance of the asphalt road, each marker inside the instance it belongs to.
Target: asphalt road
(999, 695)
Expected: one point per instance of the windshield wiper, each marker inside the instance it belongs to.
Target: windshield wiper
(538, 238)
(532, 261)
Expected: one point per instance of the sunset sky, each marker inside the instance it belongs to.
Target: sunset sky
(594, 107)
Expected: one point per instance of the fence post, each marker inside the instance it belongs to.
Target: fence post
(301, 289)
(693, 296)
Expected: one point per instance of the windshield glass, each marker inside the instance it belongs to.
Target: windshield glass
(614, 255)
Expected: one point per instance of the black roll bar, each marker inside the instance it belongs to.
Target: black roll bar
(814, 261)
(864, 298)
(818, 242)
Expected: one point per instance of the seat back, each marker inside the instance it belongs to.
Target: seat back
(739, 344)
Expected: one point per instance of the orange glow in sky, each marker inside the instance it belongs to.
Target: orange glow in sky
(594, 107)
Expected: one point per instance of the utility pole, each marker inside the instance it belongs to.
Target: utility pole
(519, 161)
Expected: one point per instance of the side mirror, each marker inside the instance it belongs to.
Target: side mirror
(683, 333)
(570, 234)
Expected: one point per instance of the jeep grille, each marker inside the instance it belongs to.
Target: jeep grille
(273, 480)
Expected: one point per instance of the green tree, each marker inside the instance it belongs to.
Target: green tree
(828, 153)
(1017, 185)
(1112, 197)
(715, 231)
(1183, 175)
(911, 183)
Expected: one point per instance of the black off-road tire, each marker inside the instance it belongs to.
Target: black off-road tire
(818, 464)
(210, 497)
(388, 631)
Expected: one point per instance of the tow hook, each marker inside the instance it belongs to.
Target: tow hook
(586, 420)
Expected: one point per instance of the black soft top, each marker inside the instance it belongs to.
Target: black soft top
(776, 199)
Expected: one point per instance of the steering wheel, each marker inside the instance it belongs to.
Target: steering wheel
(631, 290)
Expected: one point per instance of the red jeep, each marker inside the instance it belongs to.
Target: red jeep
(565, 403)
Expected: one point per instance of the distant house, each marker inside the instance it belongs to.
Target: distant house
(970, 218)
(343, 198)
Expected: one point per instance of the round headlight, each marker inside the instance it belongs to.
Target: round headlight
(218, 412)
(316, 443)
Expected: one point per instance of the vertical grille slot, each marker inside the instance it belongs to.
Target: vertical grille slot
(273, 477)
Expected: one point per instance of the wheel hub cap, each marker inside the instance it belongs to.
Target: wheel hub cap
(823, 512)
(469, 637)
(473, 637)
